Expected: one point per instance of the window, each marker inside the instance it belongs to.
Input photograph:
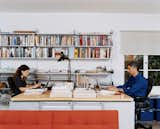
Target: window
(154, 69)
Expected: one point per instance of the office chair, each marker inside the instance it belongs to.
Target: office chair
(12, 86)
(142, 104)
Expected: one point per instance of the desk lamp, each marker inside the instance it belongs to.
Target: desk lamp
(65, 57)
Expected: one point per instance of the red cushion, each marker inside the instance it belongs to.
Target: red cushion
(58, 119)
(85, 117)
(83, 127)
(61, 117)
(36, 117)
(12, 126)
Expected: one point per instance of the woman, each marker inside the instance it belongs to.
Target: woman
(20, 80)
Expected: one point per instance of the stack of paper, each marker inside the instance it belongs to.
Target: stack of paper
(84, 93)
(34, 91)
(61, 92)
(106, 92)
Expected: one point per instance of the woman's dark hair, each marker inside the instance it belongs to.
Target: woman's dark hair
(134, 64)
(20, 69)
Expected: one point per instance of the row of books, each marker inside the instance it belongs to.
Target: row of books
(32, 52)
(87, 40)
(56, 40)
(72, 52)
(27, 40)
(91, 53)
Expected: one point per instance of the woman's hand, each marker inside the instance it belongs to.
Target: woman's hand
(37, 85)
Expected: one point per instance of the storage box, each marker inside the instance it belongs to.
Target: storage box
(147, 115)
(152, 103)
(157, 115)
(157, 103)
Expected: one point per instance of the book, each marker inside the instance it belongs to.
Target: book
(97, 52)
(103, 53)
(53, 53)
(88, 41)
(71, 52)
(0, 52)
(38, 52)
(80, 40)
(76, 53)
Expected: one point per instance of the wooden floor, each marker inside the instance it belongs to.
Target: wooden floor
(156, 126)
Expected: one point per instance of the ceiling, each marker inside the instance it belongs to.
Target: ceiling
(104, 6)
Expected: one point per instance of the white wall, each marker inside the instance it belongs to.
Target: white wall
(81, 22)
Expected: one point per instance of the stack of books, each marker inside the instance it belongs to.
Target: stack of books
(62, 90)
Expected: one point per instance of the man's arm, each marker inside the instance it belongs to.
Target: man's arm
(135, 88)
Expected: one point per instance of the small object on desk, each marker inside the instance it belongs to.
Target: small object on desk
(106, 93)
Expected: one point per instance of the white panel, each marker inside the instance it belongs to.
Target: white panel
(140, 42)
(126, 113)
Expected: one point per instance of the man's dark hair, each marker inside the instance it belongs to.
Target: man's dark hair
(134, 64)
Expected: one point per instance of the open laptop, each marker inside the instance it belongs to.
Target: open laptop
(43, 86)
(46, 85)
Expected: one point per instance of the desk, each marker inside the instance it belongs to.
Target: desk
(123, 103)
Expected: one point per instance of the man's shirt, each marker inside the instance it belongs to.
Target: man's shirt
(135, 86)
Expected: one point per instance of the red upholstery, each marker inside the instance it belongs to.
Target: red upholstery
(25, 120)
(58, 119)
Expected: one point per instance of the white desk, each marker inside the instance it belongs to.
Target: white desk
(123, 103)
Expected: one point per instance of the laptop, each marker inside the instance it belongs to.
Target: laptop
(46, 85)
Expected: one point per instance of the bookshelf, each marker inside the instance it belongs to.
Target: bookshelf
(35, 46)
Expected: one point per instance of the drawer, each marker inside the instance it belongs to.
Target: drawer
(87, 106)
(24, 106)
(55, 105)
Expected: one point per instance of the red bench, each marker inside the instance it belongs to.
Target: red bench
(59, 119)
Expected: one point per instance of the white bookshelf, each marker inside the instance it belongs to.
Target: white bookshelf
(21, 46)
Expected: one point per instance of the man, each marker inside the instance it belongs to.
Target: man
(136, 86)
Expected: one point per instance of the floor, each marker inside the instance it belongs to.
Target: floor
(156, 126)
